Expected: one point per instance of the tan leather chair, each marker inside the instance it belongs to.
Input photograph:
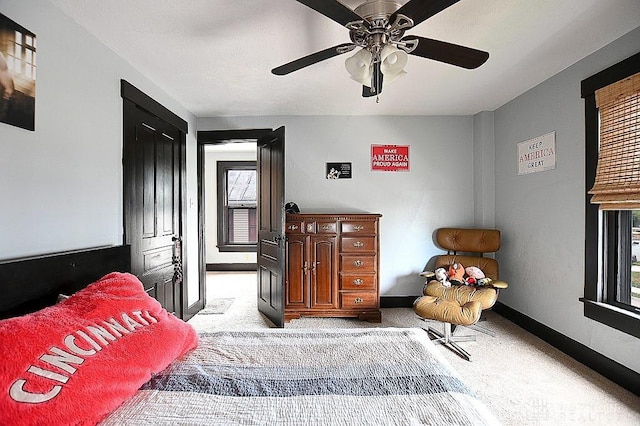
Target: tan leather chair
(460, 304)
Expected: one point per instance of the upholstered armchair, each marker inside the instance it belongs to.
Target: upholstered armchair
(460, 305)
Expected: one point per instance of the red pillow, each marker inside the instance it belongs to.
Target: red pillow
(75, 362)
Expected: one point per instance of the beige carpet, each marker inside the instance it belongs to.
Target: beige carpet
(522, 379)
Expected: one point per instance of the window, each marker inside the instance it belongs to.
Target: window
(621, 231)
(22, 58)
(237, 203)
(612, 204)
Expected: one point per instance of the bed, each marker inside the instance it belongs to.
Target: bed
(111, 355)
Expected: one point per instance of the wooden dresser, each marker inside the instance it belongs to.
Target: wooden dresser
(332, 265)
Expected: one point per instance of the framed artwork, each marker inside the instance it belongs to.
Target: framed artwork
(338, 171)
(537, 154)
(17, 74)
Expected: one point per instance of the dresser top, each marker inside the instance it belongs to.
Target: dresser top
(332, 215)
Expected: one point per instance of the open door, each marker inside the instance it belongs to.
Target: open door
(271, 221)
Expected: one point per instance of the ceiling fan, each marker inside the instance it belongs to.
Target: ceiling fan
(378, 27)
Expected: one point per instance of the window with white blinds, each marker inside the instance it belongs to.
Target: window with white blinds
(237, 205)
(242, 226)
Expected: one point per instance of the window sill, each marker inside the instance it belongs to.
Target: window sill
(238, 248)
(620, 319)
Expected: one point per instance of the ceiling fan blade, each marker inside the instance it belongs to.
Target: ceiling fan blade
(313, 58)
(449, 53)
(421, 10)
(333, 9)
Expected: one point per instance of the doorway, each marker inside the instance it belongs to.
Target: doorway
(270, 214)
(216, 257)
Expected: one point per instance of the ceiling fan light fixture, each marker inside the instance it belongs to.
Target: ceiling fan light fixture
(359, 67)
(378, 27)
(393, 61)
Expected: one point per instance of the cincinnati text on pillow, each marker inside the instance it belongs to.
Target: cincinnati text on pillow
(80, 345)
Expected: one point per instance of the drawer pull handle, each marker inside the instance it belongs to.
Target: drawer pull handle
(326, 227)
(292, 227)
(358, 227)
(358, 263)
(358, 300)
(358, 244)
(358, 281)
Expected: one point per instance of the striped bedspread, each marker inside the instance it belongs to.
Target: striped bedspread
(379, 376)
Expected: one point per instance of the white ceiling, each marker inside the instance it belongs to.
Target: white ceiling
(215, 56)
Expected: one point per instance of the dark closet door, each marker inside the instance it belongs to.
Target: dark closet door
(271, 217)
(152, 207)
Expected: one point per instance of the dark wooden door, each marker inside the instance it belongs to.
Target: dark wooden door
(297, 264)
(271, 218)
(323, 272)
(153, 204)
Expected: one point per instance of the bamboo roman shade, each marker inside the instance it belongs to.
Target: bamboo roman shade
(617, 183)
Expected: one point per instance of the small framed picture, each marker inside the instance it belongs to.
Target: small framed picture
(338, 171)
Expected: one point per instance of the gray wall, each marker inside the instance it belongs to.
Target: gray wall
(542, 214)
(437, 191)
(61, 185)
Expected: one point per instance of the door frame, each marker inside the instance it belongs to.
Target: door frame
(214, 137)
(131, 93)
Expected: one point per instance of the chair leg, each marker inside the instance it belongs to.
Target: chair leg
(448, 340)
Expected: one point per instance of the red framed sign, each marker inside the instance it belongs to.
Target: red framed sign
(390, 158)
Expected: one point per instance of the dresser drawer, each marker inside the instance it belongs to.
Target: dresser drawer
(355, 263)
(357, 244)
(326, 227)
(359, 300)
(357, 282)
(358, 227)
(314, 227)
(293, 227)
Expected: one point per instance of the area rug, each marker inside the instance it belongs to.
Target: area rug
(331, 376)
(217, 306)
